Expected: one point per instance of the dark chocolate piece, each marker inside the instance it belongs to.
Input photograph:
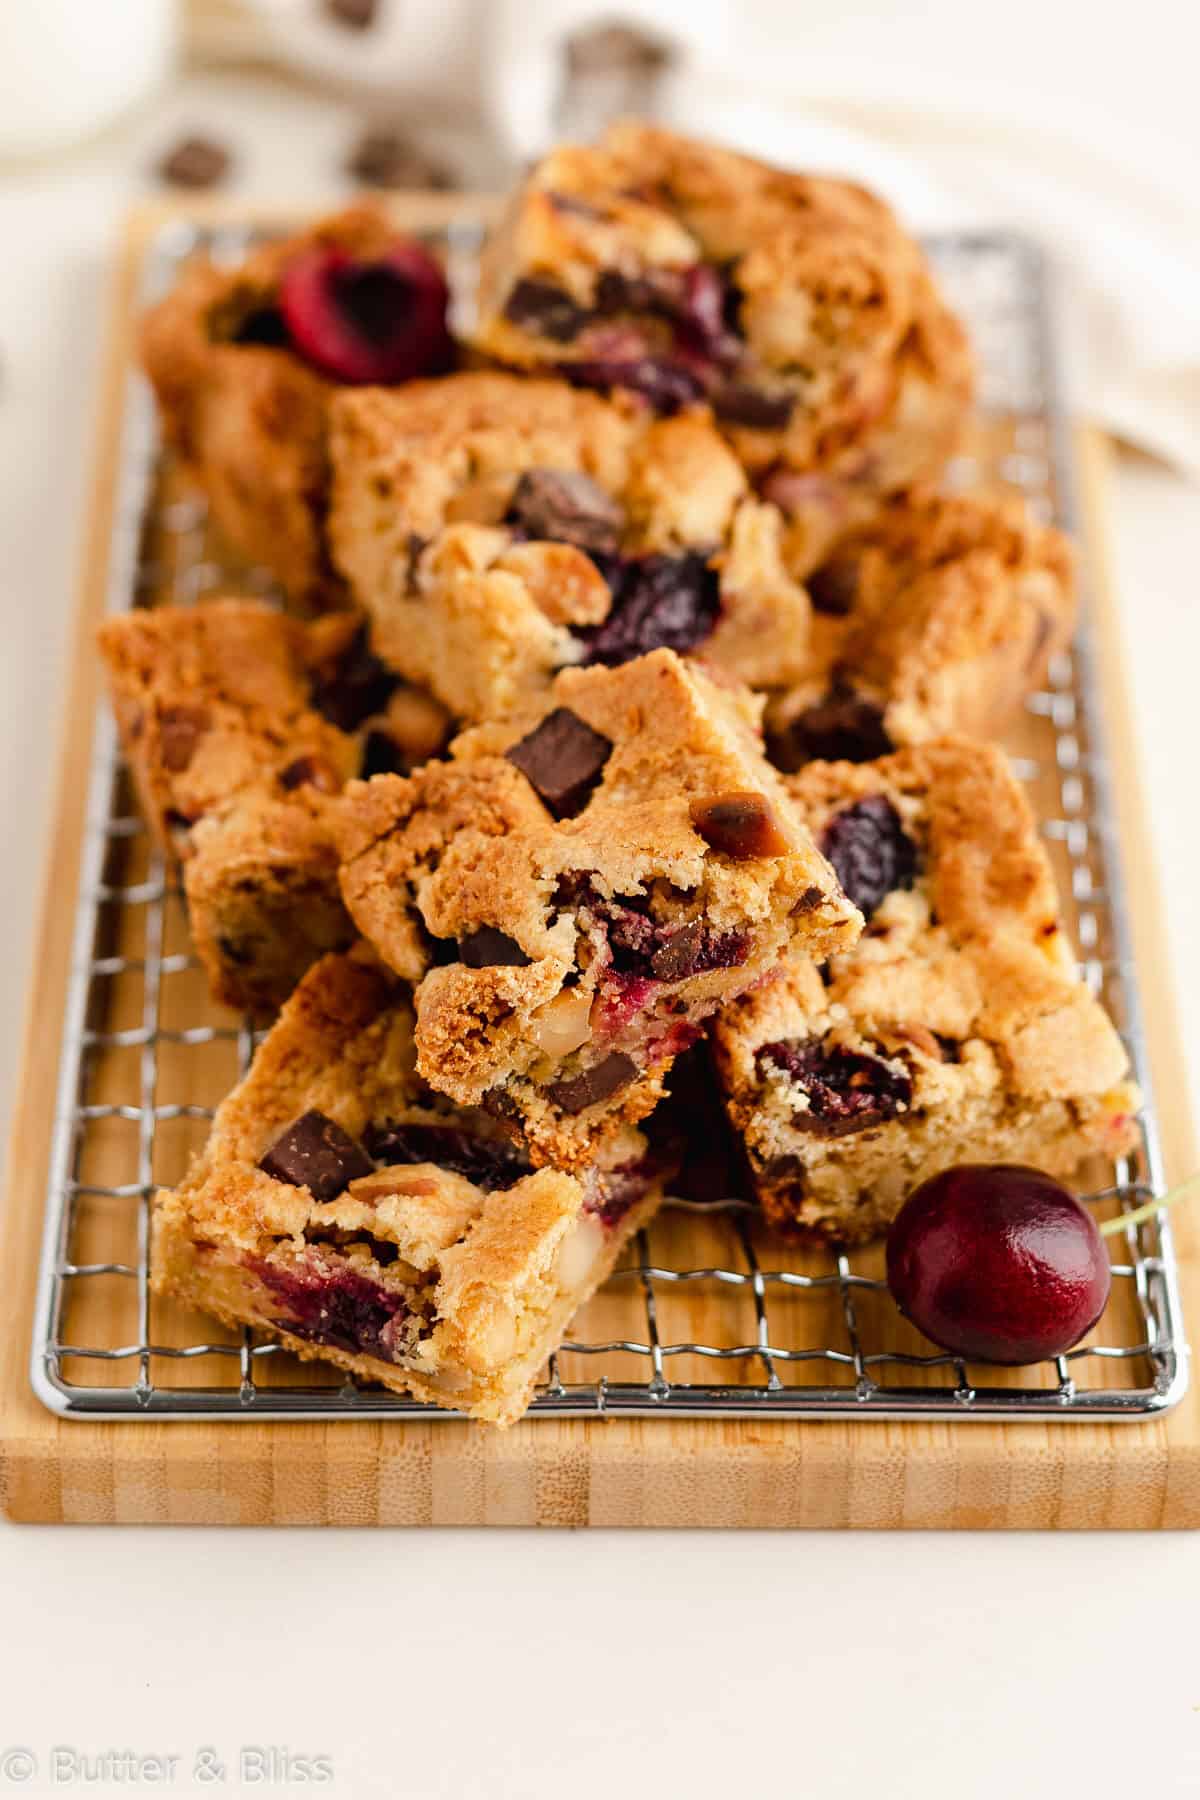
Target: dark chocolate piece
(562, 759)
(694, 950)
(841, 728)
(738, 404)
(386, 158)
(316, 1153)
(599, 1082)
(743, 826)
(540, 306)
(489, 1162)
(357, 685)
(195, 162)
(310, 771)
(180, 729)
(569, 507)
(833, 588)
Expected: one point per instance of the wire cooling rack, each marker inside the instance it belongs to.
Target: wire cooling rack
(709, 1316)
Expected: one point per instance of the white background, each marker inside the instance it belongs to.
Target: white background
(582, 1664)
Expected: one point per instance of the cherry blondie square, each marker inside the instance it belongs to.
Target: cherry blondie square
(245, 358)
(362, 1219)
(239, 726)
(956, 1029)
(497, 529)
(580, 887)
(796, 305)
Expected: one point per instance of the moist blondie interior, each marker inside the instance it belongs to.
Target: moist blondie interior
(497, 529)
(955, 1030)
(244, 413)
(240, 725)
(580, 887)
(938, 616)
(366, 1221)
(796, 305)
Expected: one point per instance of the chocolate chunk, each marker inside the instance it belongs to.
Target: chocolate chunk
(739, 404)
(488, 948)
(870, 850)
(357, 15)
(694, 950)
(841, 728)
(357, 685)
(540, 306)
(386, 158)
(664, 385)
(310, 771)
(567, 506)
(180, 729)
(490, 1163)
(742, 826)
(317, 1154)
(194, 162)
(597, 1083)
(659, 602)
(833, 588)
(847, 1090)
(562, 759)
(808, 902)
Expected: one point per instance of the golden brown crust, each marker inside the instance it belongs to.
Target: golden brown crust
(963, 988)
(955, 606)
(248, 420)
(469, 847)
(838, 312)
(424, 476)
(413, 1275)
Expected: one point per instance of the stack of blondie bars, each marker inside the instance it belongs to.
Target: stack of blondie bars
(630, 709)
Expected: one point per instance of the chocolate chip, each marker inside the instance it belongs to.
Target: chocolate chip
(262, 325)
(381, 755)
(180, 729)
(562, 758)
(386, 158)
(540, 306)
(490, 1163)
(847, 1090)
(567, 506)
(870, 850)
(833, 588)
(738, 404)
(310, 771)
(488, 948)
(841, 728)
(658, 603)
(597, 1083)
(694, 949)
(194, 162)
(666, 386)
(317, 1154)
(355, 686)
(740, 825)
(357, 15)
(808, 902)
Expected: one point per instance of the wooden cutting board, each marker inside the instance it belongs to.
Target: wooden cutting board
(661, 1471)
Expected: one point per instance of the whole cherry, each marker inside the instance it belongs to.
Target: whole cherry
(380, 320)
(998, 1263)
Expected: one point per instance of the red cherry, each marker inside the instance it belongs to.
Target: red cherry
(376, 321)
(998, 1263)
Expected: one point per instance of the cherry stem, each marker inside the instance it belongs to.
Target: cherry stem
(1110, 1227)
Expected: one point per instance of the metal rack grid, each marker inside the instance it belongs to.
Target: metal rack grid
(841, 1350)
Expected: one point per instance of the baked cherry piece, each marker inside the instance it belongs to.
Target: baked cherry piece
(998, 1263)
(375, 321)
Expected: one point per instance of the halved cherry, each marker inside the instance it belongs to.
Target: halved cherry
(368, 321)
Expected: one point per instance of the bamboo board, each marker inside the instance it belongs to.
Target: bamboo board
(663, 1471)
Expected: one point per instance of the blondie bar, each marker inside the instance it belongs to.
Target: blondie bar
(244, 360)
(497, 529)
(956, 1029)
(361, 1219)
(240, 725)
(579, 887)
(796, 305)
(939, 615)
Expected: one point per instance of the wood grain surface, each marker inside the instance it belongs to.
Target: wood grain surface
(610, 1472)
